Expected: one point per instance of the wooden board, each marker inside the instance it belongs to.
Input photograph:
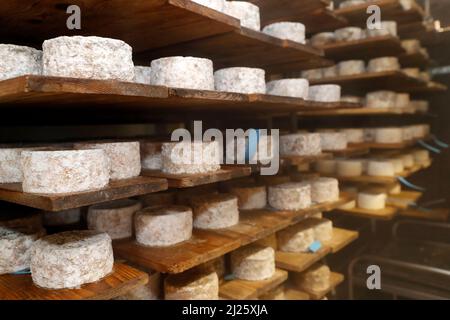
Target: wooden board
(352, 150)
(387, 213)
(341, 238)
(335, 280)
(244, 290)
(294, 294)
(192, 180)
(356, 112)
(120, 281)
(299, 160)
(433, 215)
(299, 262)
(120, 189)
(404, 199)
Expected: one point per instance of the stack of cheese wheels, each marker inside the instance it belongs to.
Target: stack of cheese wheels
(190, 157)
(325, 93)
(297, 88)
(323, 38)
(194, 284)
(163, 225)
(380, 168)
(62, 218)
(381, 99)
(164, 198)
(290, 196)
(88, 57)
(421, 156)
(115, 217)
(215, 211)
(372, 200)
(351, 3)
(246, 12)
(64, 171)
(17, 61)
(351, 67)
(330, 72)
(218, 5)
(142, 74)
(149, 291)
(20, 220)
(369, 134)
(349, 168)
(316, 278)
(253, 262)
(402, 100)
(151, 155)
(383, 64)
(327, 166)
(323, 228)
(183, 72)
(397, 162)
(388, 135)
(300, 144)
(421, 105)
(408, 160)
(312, 74)
(293, 31)
(349, 34)
(324, 189)
(354, 135)
(71, 259)
(250, 196)
(15, 249)
(331, 141)
(297, 238)
(124, 157)
(240, 80)
(387, 28)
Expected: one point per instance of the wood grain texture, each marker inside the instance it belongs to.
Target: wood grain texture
(387, 213)
(352, 150)
(414, 60)
(340, 239)
(120, 281)
(356, 112)
(294, 294)
(299, 160)
(404, 199)
(299, 262)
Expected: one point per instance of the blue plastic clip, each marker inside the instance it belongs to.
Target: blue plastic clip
(410, 185)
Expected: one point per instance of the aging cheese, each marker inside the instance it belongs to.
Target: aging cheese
(380, 168)
(322, 228)
(372, 200)
(312, 74)
(142, 74)
(387, 28)
(354, 135)
(388, 135)
(194, 284)
(421, 156)
(324, 189)
(383, 64)
(240, 80)
(323, 38)
(215, 211)
(402, 100)
(250, 196)
(246, 12)
(408, 160)
(290, 196)
(331, 141)
(349, 34)
(293, 31)
(349, 168)
(17, 61)
(297, 88)
(62, 218)
(351, 67)
(381, 99)
(151, 155)
(300, 144)
(316, 278)
(253, 262)
(325, 93)
(297, 238)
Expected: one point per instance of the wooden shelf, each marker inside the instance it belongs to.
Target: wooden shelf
(294, 294)
(206, 245)
(244, 289)
(431, 87)
(414, 60)
(404, 199)
(299, 262)
(357, 112)
(299, 160)
(352, 150)
(120, 189)
(120, 281)
(335, 280)
(341, 238)
(387, 213)
(433, 215)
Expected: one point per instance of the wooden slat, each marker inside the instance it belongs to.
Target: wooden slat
(433, 215)
(352, 150)
(387, 213)
(404, 199)
(356, 112)
(299, 160)
(414, 60)
(299, 262)
(120, 281)
(340, 239)
(294, 294)
(335, 280)
(243, 289)
(120, 189)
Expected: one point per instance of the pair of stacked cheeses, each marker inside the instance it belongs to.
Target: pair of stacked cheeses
(387, 99)
(315, 279)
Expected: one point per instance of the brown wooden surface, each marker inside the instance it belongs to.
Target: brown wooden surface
(433, 215)
(120, 189)
(356, 112)
(244, 289)
(414, 60)
(298, 262)
(120, 281)
(340, 239)
(335, 280)
(294, 294)
(404, 199)
(299, 160)
(351, 151)
(387, 213)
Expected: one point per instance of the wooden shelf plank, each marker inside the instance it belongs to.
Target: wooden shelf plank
(341, 238)
(356, 112)
(404, 199)
(299, 262)
(120, 281)
(299, 160)
(414, 60)
(335, 280)
(294, 294)
(433, 215)
(244, 290)
(120, 189)
(352, 151)
(387, 213)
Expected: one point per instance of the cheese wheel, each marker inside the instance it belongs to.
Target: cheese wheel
(300, 144)
(318, 215)
(325, 93)
(411, 46)
(246, 12)
(183, 72)
(15, 249)
(164, 198)
(322, 228)
(194, 284)
(383, 64)
(163, 226)
(217, 265)
(380, 168)
(372, 200)
(386, 28)
(10, 166)
(402, 100)
(354, 135)
(293, 31)
(421, 105)
(323, 38)
(421, 156)
(381, 99)
(253, 262)
(352, 99)
(351, 3)
(316, 278)
(142, 74)
(425, 76)
(398, 165)
(349, 168)
(16, 61)
(351, 67)
(240, 80)
(215, 211)
(412, 72)
(297, 88)
(312, 74)
(324, 189)
(349, 205)
(115, 217)
(297, 238)
(408, 133)
(190, 157)
(71, 259)
(369, 134)
(408, 160)
(326, 167)
(124, 157)
(330, 72)
(331, 141)
(275, 294)
(349, 34)
(250, 197)
(151, 155)
(88, 57)
(388, 135)
(62, 218)
(290, 196)
(218, 5)
(149, 291)
(64, 171)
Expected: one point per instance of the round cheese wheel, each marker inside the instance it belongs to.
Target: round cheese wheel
(372, 200)
(293, 31)
(62, 218)
(163, 226)
(323, 228)
(326, 167)
(240, 80)
(349, 205)
(218, 5)
(142, 74)
(330, 72)
(16, 61)
(215, 211)
(71, 259)
(383, 64)
(297, 238)
(349, 168)
(316, 278)
(354, 135)
(411, 46)
(324, 189)
(421, 156)
(386, 28)
(402, 100)
(290, 196)
(351, 67)
(352, 99)
(151, 155)
(312, 74)
(88, 57)
(149, 291)
(351, 3)
(421, 105)
(300, 144)
(369, 134)
(408, 160)
(349, 34)
(64, 171)
(388, 135)
(412, 72)
(194, 284)
(10, 167)
(398, 165)
(297, 88)
(331, 141)
(250, 196)
(246, 12)
(253, 262)
(381, 99)
(323, 38)
(183, 72)
(325, 93)
(381, 168)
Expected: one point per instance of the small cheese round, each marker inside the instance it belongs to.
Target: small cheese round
(330, 72)
(142, 74)
(421, 156)
(323, 38)
(17, 61)
(62, 218)
(326, 167)
(149, 291)
(163, 226)
(250, 197)
(10, 167)
(398, 165)
(215, 211)
(351, 67)
(71, 259)
(246, 12)
(354, 135)
(349, 34)
(369, 134)
(151, 155)
(115, 217)
(183, 72)
(323, 228)
(351, 3)
(331, 141)
(290, 196)
(300, 144)
(411, 45)
(297, 88)
(388, 135)
(381, 99)
(383, 64)
(352, 99)
(240, 80)
(316, 278)
(349, 168)
(371, 200)
(217, 5)
(297, 238)
(88, 57)
(325, 93)
(64, 171)
(408, 160)
(386, 28)
(402, 100)
(324, 189)
(421, 105)
(380, 168)
(194, 284)
(312, 74)
(293, 31)
(253, 262)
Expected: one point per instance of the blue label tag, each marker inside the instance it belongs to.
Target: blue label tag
(315, 246)
(24, 271)
(229, 277)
